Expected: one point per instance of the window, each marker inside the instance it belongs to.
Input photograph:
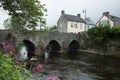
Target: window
(80, 26)
(75, 25)
(71, 25)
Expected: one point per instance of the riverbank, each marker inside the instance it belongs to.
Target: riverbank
(103, 54)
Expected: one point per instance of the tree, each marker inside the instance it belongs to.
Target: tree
(25, 12)
(13, 24)
(50, 28)
(54, 27)
(100, 34)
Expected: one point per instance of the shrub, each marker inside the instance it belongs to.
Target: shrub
(103, 33)
(99, 34)
(8, 69)
(115, 32)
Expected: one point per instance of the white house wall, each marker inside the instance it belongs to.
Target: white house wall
(89, 27)
(104, 18)
(75, 29)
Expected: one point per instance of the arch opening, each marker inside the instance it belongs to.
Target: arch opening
(30, 48)
(54, 46)
(73, 46)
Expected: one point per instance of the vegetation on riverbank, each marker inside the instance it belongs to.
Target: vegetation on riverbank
(106, 39)
(104, 34)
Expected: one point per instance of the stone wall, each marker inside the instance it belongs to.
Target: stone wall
(41, 38)
(112, 48)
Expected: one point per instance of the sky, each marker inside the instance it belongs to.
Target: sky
(95, 9)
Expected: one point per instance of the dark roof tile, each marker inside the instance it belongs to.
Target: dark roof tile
(89, 22)
(74, 18)
(114, 18)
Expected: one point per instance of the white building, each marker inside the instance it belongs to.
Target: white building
(89, 24)
(70, 23)
(113, 20)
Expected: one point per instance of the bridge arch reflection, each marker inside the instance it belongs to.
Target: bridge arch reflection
(53, 45)
(74, 45)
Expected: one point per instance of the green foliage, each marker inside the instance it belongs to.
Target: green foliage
(25, 14)
(115, 32)
(13, 23)
(104, 24)
(8, 69)
(103, 34)
(54, 27)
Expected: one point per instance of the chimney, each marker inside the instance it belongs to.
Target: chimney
(79, 15)
(106, 13)
(62, 12)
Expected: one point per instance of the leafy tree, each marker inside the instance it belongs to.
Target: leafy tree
(25, 12)
(115, 32)
(99, 34)
(104, 33)
(53, 27)
(7, 24)
(50, 28)
(13, 24)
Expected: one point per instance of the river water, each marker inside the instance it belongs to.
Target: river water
(81, 66)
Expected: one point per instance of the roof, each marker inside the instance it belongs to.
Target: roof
(89, 22)
(113, 18)
(74, 18)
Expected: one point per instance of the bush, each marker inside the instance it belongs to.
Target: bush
(115, 32)
(8, 69)
(103, 34)
(99, 34)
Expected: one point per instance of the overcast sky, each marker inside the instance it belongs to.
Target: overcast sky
(95, 8)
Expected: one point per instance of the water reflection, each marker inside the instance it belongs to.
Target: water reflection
(83, 66)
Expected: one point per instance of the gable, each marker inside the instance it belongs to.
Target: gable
(62, 18)
(103, 18)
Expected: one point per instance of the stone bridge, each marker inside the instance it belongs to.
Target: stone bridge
(55, 40)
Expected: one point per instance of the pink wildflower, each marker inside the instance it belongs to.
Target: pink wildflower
(57, 78)
(55, 72)
(34, 69)
(39, 67)
(50, 78)
(10, 48)
(17, 62)
(37, 51)
(53, 78)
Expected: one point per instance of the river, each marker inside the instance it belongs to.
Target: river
(81, 66)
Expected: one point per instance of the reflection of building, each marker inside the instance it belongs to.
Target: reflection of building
(113, 20)
(89, 23)
(70, 23)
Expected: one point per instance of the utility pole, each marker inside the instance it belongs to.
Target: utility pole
(85, 11)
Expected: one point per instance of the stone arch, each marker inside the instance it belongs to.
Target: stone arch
(74, 45)
(53, 45)
(30, 47)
